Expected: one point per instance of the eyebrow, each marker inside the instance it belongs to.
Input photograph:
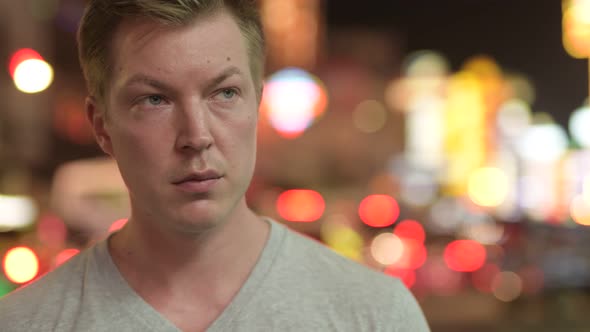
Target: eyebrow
(225, 74)
(147, 80)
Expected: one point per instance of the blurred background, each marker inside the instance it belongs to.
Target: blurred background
(445, 143)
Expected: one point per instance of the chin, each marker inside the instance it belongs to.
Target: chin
(197, 220)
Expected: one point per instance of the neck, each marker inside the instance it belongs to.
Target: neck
(212, 264)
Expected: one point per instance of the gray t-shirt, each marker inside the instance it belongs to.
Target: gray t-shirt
(296, 285)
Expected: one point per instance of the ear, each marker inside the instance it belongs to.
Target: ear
(97, 117)
(259, 93)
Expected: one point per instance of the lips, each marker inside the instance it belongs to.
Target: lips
(199, 176)
(198, 182)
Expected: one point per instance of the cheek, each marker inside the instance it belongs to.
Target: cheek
(138, 143)
(241, 142)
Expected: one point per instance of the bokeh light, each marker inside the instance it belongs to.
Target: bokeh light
(31, 74)
(578, 125)
(17, 212)
(117, 225)
(5, 286)
(580, 210)
(21, 265)
(64, 255)
(342, 238)
(507, 286)
(51, 231)
(379, 210)
(408, 277)
(543, 143)
(533, 279)
(20, 56)
(484, 232)
(369, 116)
(514, 117)
(413, 255)
(482, 279)
(446, 215)
(425, 63)
(387, 248)
(410, 229)
(292, 100)
(418, 189)
(299, 205)
(576, 28)
(465, 255)
(436, 275)
(488, 186)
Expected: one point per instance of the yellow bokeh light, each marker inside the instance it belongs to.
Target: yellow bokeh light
(21, 265)
(343, 240)
(488, 187)
(576, 27)
(580, 210)
(32, 76)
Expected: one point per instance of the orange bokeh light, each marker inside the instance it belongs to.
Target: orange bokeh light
(465, 255)
(410, 229)
(21, 265)
(580, 210)
(379, 210)
(299, 205)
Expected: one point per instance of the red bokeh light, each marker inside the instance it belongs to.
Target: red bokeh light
(379, 210)
(117, 225)
(438, 278)
(299, 205)
(408, 277)
(22, 55)
(413, 256)
(51, 231)
(65, 255)
(410, 229)
(465, 255)
(482, 278)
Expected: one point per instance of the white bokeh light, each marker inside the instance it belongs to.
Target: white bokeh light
(33, 75)
(579, 125)
(543, 143)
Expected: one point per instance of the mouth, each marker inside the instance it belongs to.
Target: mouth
(198, 182)
(198, 177)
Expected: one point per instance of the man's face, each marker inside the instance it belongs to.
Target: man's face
(181, 120)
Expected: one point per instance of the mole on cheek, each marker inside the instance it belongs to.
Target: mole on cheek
(228, 59)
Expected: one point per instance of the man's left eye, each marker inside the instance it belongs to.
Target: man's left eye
(228, 93)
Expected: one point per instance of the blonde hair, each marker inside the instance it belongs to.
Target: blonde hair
(102, 17)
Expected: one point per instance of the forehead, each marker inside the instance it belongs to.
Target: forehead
(147, 47)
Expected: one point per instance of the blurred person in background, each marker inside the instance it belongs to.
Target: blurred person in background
(174, 89)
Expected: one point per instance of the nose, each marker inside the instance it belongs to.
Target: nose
(194, 132)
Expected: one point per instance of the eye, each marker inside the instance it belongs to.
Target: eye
(228, 93)
(155, 100)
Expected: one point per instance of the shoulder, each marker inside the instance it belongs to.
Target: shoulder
(351, 286)
(334, 290)
(41, 299)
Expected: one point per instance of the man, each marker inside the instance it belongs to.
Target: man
(174, 91)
